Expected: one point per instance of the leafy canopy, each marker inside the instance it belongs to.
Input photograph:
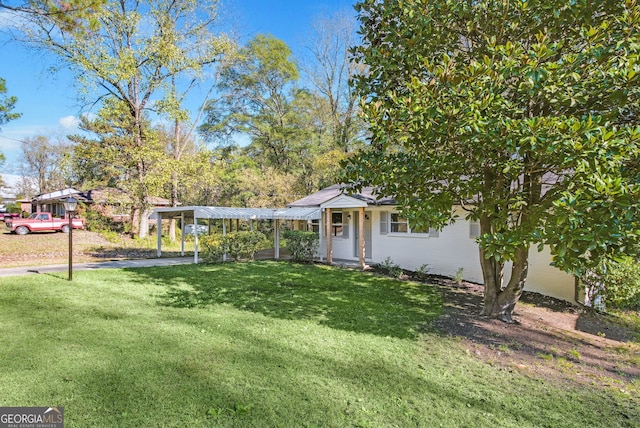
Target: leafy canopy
(525, 113)
(7, 104)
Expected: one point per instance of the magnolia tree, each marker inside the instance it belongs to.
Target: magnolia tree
(522, 114)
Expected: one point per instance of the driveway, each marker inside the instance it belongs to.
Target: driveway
(114, 264)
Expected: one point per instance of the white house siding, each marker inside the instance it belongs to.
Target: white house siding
(546, 279)
(445, 254)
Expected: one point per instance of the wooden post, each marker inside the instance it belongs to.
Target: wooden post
(361, 247)
(329, 236)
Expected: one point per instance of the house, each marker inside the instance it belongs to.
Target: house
(388, 235)
(110, 201)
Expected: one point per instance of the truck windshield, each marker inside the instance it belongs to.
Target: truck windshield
(33, 216)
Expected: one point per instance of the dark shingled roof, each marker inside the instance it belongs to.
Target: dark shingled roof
(318, 198)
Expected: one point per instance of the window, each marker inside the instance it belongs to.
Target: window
(399, 224)
(313, 226)
(339, 224)
(474, 229)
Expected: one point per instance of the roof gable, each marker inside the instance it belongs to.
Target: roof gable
(344, 201)
(367, 195)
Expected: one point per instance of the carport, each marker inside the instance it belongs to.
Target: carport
(194, 213)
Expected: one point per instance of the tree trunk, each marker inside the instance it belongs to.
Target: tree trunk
(144, 223)
(499, 301)
(135, 221)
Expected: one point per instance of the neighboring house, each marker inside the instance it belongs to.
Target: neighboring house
(388, 235)
(110, 201)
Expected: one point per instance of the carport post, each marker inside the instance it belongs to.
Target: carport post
(224, 233)
(182, 234)
(159, 227)
(195, 234)
(276, 229)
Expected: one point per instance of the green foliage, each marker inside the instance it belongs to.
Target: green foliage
(96, 221)
(423, 271)
(459, 276)
(302, 245)
(212, 248)
(290, 140)
(6, 105)
(391, 268)
(14, 208)
(242, 244)
(617, 283)
(136, 55)
(526, 111)
(245, 244)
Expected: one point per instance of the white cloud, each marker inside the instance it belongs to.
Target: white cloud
(68, 122)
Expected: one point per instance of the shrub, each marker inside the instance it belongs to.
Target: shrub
(616, 284)
(96, 221)
(302, 245)
(212, 248)
(423, 271)
(243, 244)
(392, 269)
(459, 276)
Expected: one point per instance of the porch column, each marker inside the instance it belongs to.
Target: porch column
(329, 236)
(276, 229)
(182, 234)
(362, 238)
(159, 227)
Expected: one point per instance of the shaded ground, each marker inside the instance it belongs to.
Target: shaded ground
(552, 338)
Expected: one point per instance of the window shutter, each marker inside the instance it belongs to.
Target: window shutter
(384, 222)
(433, 233)
(474, 229)
(345, 225)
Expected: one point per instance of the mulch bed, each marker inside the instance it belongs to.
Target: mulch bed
(552, 338)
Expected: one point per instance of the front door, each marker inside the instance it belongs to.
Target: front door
(367, 234)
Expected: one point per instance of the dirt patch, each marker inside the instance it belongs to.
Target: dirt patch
(551, 339)
(48, 248)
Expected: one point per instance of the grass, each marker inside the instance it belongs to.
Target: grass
(262, 344)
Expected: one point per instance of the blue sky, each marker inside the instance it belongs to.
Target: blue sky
(48, 102)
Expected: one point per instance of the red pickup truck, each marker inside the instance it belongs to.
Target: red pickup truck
(7, 216)
(38, 222)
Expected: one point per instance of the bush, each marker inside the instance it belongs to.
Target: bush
(392, 268)
(302, 245)
(459, 276)
(97, 221)
(616, 284)
(243, 244)
(423, 271)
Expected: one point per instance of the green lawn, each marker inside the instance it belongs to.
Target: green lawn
(262, 344)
